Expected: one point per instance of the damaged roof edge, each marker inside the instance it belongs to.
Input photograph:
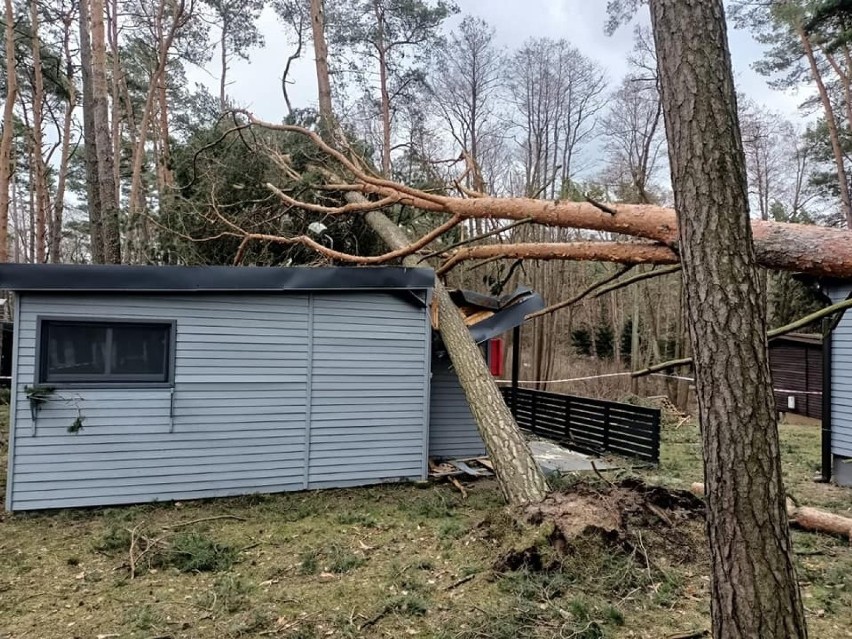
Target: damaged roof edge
(79, 278)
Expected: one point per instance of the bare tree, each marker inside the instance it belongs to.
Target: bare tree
(8, 131)
(556, 92)
(466, 82)
(110, 215)
(633, 128)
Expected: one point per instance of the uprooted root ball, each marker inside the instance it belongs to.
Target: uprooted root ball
(650, 523)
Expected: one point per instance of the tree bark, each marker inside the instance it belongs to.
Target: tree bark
(103, 139)
(93, 195)
(65, 153)
(518, 474)
(8, 132)
(321, 60)
(754, 592)
(831, 123)
(39, 185)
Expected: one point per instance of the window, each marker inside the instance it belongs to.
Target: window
(96, 352)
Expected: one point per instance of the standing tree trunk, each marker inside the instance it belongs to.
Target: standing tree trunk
(754, 592)
(518, 474)
(39, 185)
(93, 194)
(8, 132)
(383, 89)
(103, 138)
(831, 123)
(321, 59)
(65, 153)
(223, 54)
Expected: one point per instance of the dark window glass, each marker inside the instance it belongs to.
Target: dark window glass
(140, 350)
(103, 352)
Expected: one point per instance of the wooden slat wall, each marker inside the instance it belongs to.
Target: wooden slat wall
(588, 425)
(797, 372)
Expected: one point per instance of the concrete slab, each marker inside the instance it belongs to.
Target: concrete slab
(554, 458)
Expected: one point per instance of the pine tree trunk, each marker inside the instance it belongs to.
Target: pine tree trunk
(39, 182)
(754, 592)
(321, 59)
(103, 138)
(518, 474)
(831, 123)
(8, 132)
(93, 195)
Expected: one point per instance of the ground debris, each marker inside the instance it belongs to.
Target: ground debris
(627, 516)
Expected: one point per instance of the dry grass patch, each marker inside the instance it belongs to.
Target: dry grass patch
(394, 561)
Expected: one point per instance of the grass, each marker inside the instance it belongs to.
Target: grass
(383, 561)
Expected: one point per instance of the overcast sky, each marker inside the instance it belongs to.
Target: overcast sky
(256, 84)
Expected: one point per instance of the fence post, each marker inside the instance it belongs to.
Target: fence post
(533, 411)
(606, 427)
(655, 438)
(568, 418)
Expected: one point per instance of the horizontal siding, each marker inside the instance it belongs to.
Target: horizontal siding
(452, 429)
(368, 391)
(841, 378)
(236, 424)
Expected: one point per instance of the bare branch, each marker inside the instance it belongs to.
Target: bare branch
(777, 332)
(477, 238)
(580, 296)
(346, 257)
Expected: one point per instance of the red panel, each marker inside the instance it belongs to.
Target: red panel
(495, 356)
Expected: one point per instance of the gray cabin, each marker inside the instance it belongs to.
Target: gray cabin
(139, 383)
(837, 391)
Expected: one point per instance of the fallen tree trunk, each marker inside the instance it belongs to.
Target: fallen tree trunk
(518, 474)
(619, 252)
(806, 517)
(816, 250)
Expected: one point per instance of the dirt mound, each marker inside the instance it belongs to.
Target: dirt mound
(628, 516)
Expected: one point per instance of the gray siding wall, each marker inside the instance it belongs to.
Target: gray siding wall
(841, 379)
(452, 429)
(256, 405)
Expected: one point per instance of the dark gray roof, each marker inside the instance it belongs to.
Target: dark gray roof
(101, 277)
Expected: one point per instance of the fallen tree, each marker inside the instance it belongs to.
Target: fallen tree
(815, 250)
(807, 518)
(520, 478)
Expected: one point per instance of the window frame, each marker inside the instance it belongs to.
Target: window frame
(40, 372)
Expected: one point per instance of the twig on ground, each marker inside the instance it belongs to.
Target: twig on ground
(600, 476)
(203, 519)
(459, 582)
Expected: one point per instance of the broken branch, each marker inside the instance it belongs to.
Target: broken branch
(776, 332)
(580, 296)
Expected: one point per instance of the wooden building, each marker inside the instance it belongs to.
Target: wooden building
(796, 362)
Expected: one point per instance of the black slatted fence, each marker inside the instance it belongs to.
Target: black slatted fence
(591, 426)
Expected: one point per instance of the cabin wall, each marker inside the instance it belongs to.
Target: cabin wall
(272, 392)
(452, 428)
(797, 373)
(841, 389)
